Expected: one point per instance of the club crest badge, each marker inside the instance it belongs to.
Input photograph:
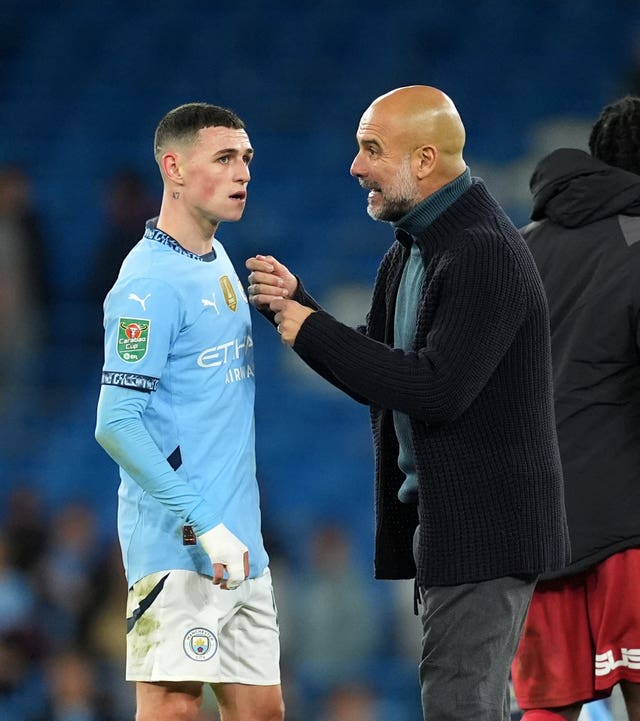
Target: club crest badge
(228, 292)
(200, 644)
(133, 339)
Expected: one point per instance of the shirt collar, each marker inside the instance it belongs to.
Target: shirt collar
(434, 205)
(152, 232)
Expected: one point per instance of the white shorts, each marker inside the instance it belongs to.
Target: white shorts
(180, 627)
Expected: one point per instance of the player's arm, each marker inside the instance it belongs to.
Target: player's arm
(123, 435)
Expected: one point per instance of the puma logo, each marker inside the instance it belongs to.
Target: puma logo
(142, 301)
(211, 303)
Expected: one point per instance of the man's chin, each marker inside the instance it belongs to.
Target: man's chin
(375, 211)
(384, 215)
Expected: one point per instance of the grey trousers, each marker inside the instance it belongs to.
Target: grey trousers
(470, 636)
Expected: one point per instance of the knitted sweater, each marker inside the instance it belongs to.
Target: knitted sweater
(478, 388)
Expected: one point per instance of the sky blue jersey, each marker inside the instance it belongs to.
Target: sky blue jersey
(178, 332)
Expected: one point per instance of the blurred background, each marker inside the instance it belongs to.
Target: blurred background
(82, 86)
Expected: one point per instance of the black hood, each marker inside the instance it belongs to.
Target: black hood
(573, 189)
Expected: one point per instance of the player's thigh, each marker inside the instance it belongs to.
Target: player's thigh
(245, 702)
(168, 700)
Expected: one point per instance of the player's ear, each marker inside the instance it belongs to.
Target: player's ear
(171, 167)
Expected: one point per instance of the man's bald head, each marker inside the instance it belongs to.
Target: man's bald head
(422, 115)
(415, 135)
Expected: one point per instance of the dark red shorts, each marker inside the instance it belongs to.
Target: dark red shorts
(581, 636)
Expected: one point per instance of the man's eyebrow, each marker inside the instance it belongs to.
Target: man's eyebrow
(370, 142)
(234, 151)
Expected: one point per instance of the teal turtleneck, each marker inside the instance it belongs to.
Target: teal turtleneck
(407, 302)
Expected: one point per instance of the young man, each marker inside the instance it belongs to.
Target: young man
(176, 412)
(582, 634)
(455, 365)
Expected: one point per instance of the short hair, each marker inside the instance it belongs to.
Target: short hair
(182, 123)
(615, 136)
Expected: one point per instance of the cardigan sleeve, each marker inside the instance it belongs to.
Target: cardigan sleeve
(481, 305)
(302, 296)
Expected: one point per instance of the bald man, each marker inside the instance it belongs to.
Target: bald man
(454, 363)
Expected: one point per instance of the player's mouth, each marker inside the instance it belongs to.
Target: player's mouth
(240, 195)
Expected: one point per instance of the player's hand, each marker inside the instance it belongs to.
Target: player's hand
(269, 279)
(289, 317)
(227, 553)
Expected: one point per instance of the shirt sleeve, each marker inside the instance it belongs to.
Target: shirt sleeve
(142, 318)
(121, 432)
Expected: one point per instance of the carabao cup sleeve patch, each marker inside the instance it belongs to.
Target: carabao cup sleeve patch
(132, 339)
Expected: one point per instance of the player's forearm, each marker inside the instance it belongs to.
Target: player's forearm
(122, 434)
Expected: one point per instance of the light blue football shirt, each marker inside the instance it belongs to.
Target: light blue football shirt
(178, 326)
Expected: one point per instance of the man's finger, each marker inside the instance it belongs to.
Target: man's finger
(277, 303)
(260, 263)
(258, 276)
(261, 300)
(267, 289)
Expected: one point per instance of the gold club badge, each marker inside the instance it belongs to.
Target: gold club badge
(228, 292)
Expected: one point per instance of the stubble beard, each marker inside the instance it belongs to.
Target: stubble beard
(399, 199)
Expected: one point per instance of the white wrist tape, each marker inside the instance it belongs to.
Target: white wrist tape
(223, 547)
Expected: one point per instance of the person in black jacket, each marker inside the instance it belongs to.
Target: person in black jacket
(455, 365)
(582, 634)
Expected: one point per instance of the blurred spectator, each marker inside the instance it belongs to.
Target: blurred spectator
(71, 689)
(284, 591)
(351, 703)
(67, 569)
(22, 641)
(25, 527)
(103, 631)
(104, 614)
(335, 627)
(129, 203)
(61, 640)
(17, 599)
(22, 695)
(18, 214)
(24, 288)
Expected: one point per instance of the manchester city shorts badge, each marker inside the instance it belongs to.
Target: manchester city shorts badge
(200, 644)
